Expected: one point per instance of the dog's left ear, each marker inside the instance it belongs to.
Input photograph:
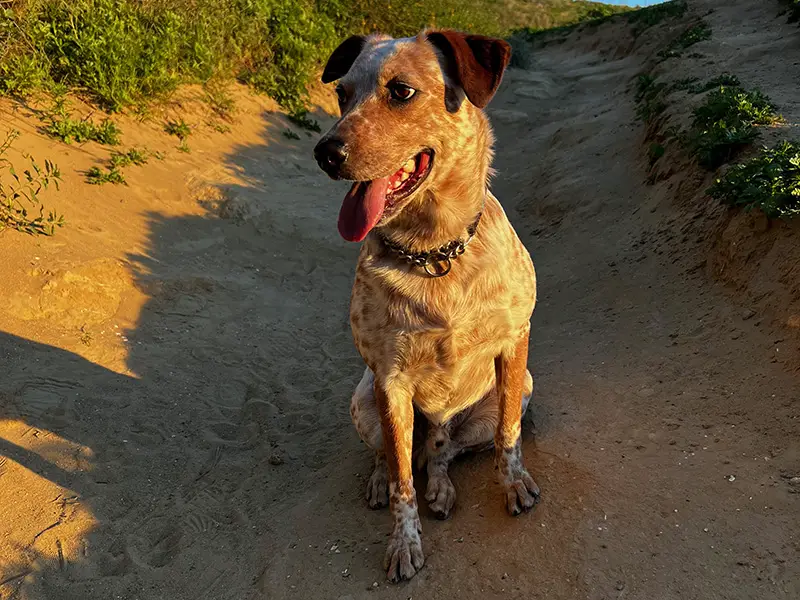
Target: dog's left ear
(475, 61)
(343, 58)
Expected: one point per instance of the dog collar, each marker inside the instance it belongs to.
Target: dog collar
(437, 262)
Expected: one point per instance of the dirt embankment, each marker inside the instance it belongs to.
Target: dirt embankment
(177, 362)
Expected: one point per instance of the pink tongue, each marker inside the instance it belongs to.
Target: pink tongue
(362, 208)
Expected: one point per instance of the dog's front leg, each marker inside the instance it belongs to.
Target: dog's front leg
(520, 488)
(404, 555)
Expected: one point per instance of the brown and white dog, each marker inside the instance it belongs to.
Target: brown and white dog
(444, 289)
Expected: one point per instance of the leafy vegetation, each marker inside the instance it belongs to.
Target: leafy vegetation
(726, 122)
(98, 176)
(113, 172)
(178, 128)
(59, 124)
(793, 10)
(19, 193)
(695, 33)
(124, 52)
(769, 181)
(302, 120)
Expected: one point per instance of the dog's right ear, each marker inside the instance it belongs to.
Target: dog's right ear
(343, 58)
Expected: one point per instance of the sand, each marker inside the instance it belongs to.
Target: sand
(177, 362)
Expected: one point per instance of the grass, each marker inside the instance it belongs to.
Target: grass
(769, 181)
(694, 34)
(726, 122)
(134, 156)
(19, 194)
(121, 53)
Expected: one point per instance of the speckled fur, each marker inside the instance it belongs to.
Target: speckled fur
(453, 349)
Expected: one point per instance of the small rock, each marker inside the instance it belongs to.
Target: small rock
(276, 459)
(748, 313)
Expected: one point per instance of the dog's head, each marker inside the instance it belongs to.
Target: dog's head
(406, 110)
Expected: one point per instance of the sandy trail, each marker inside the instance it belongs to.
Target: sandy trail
(209, 453)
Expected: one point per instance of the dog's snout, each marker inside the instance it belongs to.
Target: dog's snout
(330, 155)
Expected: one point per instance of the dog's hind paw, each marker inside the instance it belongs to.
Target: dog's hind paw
(378, 487)
(441, 495)
(404, 555)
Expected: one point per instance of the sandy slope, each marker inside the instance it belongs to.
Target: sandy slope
(177, 366)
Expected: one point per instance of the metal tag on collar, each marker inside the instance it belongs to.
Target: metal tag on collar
(438, 264)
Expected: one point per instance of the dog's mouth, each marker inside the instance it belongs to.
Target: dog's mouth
(369, 201)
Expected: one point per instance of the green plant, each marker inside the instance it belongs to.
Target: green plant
(184, 147)
(301, 119)
(691, 85)
(726, 122)
(649, 97)
(23, 192)
(134, 156)
(289, 134)
(98, 176)
(769, 181)
(178, 128)
(694, 34)
(60, 125)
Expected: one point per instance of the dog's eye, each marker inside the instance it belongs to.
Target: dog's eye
(401, 92)
(341, 94)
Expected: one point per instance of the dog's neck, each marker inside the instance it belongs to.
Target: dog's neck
(450, 205)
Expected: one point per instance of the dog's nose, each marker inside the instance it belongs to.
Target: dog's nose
(330, 155)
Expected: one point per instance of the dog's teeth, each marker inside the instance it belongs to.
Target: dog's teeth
(397, 184)
(409, 166)
(405, 176)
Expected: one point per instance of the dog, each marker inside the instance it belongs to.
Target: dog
(444, 289)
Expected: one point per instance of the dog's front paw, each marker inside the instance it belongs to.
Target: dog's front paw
(521, 490)
(404, 555)
(441, 495)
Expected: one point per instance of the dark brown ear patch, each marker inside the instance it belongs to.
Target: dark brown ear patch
(477, 62)
(343, 58)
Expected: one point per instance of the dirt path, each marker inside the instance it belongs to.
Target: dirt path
(209, 453)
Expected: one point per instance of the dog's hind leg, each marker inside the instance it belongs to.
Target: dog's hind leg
(470, 430)
(364, 412)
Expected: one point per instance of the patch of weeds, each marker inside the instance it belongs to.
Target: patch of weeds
(655, 152)
(178, 128)
(134, 156)
(769, 181)
(220, 101)
(289, 134)
(649, 97)
(62, 126)
(22, 192)
(301, 119)
(184, 147)
(726, 122)
(645, 18)
(98, 176)
(696, 33)
(221, 127)
(86, 336)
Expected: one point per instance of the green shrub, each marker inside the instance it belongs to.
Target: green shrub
(124, 52)
(21, 192)
(726, 122)
(769, 181)
(178, 128)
